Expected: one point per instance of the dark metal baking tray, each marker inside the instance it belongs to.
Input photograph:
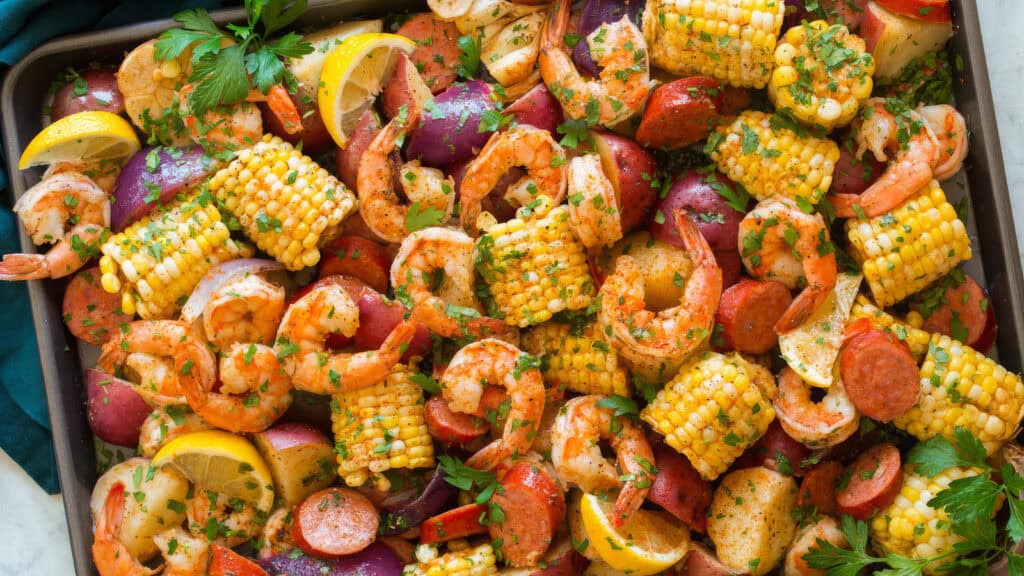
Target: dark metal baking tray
(27, 83)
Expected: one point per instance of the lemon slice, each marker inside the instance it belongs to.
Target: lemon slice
(647, 544)
(221, 462)
(352, 77)
(811, 348)
(81, 137)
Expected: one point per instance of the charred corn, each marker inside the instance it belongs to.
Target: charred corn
(909, 526)
(534, 265)
(157, 261)
(962, 387)
(715, 408)
(730, 41)
(285, 202)
(381, 427)
(461, 560)
(915, 338)
(903, 251)
(579, 361)
(771, 157)
(822, 74)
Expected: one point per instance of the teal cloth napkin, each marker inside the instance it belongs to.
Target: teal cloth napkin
(24, 420)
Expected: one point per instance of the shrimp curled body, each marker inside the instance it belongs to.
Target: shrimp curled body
(577, 457)
(498, 363)
(593, 209)
(109, 554)
(820, 424)
(248, 309)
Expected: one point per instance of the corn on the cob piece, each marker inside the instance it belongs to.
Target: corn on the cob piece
(909, 526)
(731, 41)
(915, 338)
(459, 561)
(714, 409)
(285, 202)
(381, 427)
(157, 261)
(763, 153)
(822, 74)
(582, 362)
(534, 264)
(903, 251)
(962, 387)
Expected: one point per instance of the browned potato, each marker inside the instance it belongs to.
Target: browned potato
(664, 266)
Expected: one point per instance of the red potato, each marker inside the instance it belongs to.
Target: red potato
(300, 457)
(777, 451)
(114, 409)
(347, 158)
(875, 478)
(685, 111)
(962, 312)
(534, 507)
(357, 257)
(895, 40)
(853, 176)
(313, 134)
(698, 194)
(731, 264)
(538, 108)
(880, 375)
(927, 10)
(701, 561)
(631, 170)
(437, 51)
(452, 427)
(819, 486)
(406, 88)
(91, 90)
(227, 562)
(378, 317)
(90, 312)
(456, 523)
(495, 201)
(335, 522)
(748, 311)
(679, 489)
(561, 560)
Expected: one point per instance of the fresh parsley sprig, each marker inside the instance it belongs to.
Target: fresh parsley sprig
(227, 64)
(970, 503)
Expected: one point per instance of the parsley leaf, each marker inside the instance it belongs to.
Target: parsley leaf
(469, 60)
(420, 217)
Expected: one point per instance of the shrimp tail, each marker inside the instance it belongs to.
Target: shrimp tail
(629, 501)
(800, 310)
(890, 190)
(555, 26)
(108, 523)
(24, 267)
(283, 107)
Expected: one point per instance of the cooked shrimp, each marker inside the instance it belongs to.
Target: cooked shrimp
(103, 172)
(593, 210)
(452, 310)
(909, 170)
(109, 554)
(429, 188)
(576, 453)
(276, 535)
(780, 242)
(950, 130)
(300, 341)
(247, 309)
(166, 350)
(643, 335)
(235, 519)
(238, 125)
(522, 145)
(825, 529)
(255, 391)
(820, 424)
(618, 48)
(66, 200)
(165, 424)
(497, 363)
(184, 554)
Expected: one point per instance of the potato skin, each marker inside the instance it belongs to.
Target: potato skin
(750, 521)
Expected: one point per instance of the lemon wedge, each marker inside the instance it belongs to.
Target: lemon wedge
(81, 137)
(647, 544)
(811, 348)
(354, 73)
(221, 462)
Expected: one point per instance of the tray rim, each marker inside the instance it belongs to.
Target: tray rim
(966, 24)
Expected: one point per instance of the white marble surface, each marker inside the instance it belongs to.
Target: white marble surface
(33, 533)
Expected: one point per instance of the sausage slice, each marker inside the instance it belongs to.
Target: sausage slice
(437, 50)
(880, 375)
(875, 478)
(748, 312)
(534, 508)
(335, 522)
(90, 312)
